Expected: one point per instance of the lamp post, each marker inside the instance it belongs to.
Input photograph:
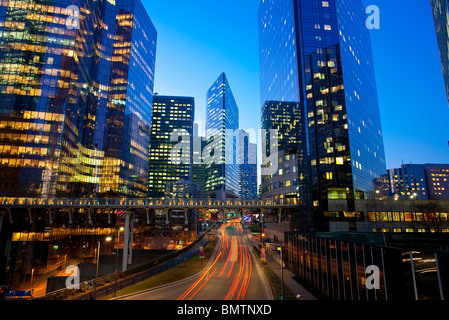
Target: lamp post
(116, 259)
(282, 272)
(98, 263)
(32, 274)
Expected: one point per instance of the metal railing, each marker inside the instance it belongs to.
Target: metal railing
(146, 203)
(139, 272)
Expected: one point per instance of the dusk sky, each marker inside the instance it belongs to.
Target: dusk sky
(198, 40)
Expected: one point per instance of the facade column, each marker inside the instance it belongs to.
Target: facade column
(49, 215)
(148, 216)
(89, 211)
(167, 221)
(128, 240)
(70, 215)
(10, 215)
(186, 216)
(280, 215)
(437, 265)
(31, 216)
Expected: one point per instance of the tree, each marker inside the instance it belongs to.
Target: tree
(432, 219)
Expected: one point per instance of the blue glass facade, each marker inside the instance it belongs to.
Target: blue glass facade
(222, 124)
(440, 10)
(318, 54)
(248, 167)
(78, 100)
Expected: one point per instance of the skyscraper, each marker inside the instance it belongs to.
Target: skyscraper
(199, 167)
(222, 124)
(173, 119)
(441, 17)
(285, 118)
(247, 167)
(76, 97)
(318, 54)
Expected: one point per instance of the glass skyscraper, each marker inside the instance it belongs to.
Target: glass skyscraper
(441, 17)
(285, 117)
(199, 167)
(222, 124)
(76, 98)
(318, 54)
(248, 167)
(173, 119)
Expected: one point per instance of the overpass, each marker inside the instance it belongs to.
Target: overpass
(128, 207)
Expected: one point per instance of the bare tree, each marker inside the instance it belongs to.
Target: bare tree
(432, 219)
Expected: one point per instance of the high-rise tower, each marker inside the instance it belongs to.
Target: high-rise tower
(318, 54)
(173, 119)
(441, 17)
(222, 124)
(76, 98)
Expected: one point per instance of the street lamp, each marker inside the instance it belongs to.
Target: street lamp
(98, 263)
(116, 258)
(282, 272)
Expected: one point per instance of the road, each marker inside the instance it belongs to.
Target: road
(233, 273)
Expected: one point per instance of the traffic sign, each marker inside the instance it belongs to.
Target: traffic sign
(201, 255)
(263, 250)
(201, 249)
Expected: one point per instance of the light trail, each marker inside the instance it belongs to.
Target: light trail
(207, 280)
(182, 297)
(233, 253)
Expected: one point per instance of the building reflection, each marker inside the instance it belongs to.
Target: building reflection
(76, 103)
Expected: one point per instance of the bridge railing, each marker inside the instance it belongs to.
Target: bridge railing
(103, 202)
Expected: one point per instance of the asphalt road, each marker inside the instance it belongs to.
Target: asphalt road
(233, 273)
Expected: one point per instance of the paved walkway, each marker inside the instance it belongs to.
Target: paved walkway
(294, 286)
(273, 261)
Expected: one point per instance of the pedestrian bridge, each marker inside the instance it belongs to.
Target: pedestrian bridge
(129, 207)
(155, 204)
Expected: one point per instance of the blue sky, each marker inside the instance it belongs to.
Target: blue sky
(198, 40)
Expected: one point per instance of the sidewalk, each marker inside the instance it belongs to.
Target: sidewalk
(275, 265)
(294, 286)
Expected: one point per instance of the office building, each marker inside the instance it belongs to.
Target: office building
(408, 182)
(247, 167)
(199, 167)
(280, 179)
(76, 98)
(437, 177)
(441, 18)
(222, 124)
(171, 148)
(318, 54)
(418, 182)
